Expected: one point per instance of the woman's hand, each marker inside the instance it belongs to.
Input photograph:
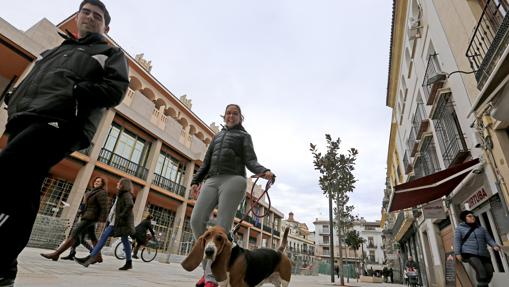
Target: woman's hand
(268, 175)
(496, 248)
(195, 191)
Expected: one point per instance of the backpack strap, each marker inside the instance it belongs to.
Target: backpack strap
(467, 235)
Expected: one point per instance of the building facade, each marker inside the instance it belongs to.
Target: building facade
(152, 138)
(300, 248)
(439, 160)
(369, 255)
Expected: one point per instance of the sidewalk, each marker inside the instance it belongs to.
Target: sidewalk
(35, 271)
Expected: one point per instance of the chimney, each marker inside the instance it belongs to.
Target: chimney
(290, 216)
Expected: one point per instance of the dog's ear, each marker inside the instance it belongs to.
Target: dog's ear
(220, 265)
(195, 257)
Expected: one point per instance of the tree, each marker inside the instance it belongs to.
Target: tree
(354, 241)
(336, 180)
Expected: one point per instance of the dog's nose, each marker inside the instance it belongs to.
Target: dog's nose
(209, 251)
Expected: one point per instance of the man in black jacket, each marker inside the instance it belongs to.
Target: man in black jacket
(54, 111)
(140, 234)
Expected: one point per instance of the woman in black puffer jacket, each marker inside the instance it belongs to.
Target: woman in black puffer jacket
(224, 172)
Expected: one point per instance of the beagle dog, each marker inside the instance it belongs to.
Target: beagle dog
(235, 266)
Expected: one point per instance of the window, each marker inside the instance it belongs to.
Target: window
(449, 135)
(126, 144)
(326, 239)
(170, 168)
(53, 193)
(164, 219)
(427, 163)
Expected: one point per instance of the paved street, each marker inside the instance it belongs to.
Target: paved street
(36, 271)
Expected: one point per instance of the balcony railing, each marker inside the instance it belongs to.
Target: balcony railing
(122, 164)
(412, 142)
(434, 79)
(407, 164)
(267, 228)
(420, 122)
(169, 184)
(427, 162)
(489, 40)
(449, 134)
(399, 222)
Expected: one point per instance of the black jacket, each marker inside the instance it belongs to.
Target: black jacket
(230, 152)
(124, 216)
(142, 228)
(71, 84)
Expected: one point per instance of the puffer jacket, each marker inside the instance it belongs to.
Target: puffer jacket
(71, 84)
(96, 205)
(230, 152)
(477, 242)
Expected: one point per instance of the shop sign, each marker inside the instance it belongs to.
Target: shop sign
(434, 209)
(477, 198)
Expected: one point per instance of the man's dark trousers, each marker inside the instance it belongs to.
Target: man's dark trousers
(31, 151)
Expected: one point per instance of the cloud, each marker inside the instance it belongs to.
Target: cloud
(298, 69)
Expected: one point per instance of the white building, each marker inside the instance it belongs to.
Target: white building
(300, 247)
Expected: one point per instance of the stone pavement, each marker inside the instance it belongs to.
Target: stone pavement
(37, 271)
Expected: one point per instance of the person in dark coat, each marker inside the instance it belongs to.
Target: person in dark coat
(224, 172)
(52, 112)
(140, 234)
(391, 274)
(121, 224)
(470, 245)
(95, 209)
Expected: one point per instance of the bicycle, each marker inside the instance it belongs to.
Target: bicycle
(148, 252)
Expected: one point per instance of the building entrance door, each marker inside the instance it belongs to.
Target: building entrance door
(462, 278)
(498, 259)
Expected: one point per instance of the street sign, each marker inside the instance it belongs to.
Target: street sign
(434, 209)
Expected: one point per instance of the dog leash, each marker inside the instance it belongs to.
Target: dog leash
(252, 202)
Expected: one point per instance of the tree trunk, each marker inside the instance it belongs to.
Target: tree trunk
(356, 263)
(340, 237)
(331, 234)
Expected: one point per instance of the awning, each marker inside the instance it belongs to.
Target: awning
(430, 187)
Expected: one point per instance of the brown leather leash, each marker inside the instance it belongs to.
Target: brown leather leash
(252, 202)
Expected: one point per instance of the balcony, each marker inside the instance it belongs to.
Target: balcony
(168, 184)
(267, 228)
(128, 99)
(489, 41)
(420, 122)
(450, 137)
(434, 79)
(399, 222)
(412, 143)
(407, 164)
(122, 164)
(158, 118)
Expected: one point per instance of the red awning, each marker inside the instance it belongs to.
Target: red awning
(430, 187)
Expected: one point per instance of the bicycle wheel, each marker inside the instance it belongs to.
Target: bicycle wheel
(148, 254)
(119, 251)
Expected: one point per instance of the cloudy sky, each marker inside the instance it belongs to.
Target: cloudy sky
(299, 69)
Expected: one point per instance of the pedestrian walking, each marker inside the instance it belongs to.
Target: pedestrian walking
(120, 224)
(224, 172)
(95, 209)
(470, 246)
(54, 111)
(140, 235)
(391, 274)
